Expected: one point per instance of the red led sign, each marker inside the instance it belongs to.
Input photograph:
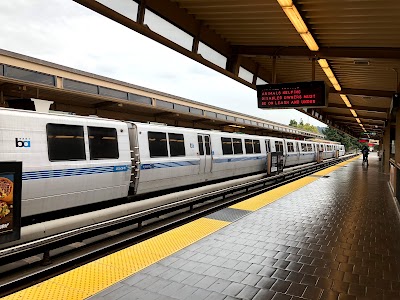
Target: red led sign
(292, 95)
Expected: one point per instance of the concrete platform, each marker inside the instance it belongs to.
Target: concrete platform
(332, 235)
(335, 238)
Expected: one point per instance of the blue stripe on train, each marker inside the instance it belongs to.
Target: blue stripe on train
(234, 159)
(73, 172)
(196, 162)
(169, 164)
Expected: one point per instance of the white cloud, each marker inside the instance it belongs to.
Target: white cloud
(69, 34)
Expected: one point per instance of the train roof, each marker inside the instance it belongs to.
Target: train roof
(23, 112)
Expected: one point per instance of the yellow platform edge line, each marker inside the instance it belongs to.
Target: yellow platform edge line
(259, 201)
(91, 278)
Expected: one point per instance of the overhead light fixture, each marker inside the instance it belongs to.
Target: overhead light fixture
(358, 120)
(323, 63)
(345, 100)
(295, 18)
(353, 112)
(328, 72)
(293, 14)
(333, 80)
(337, 87)
(285, 3)
(309, 40)
(362, 126)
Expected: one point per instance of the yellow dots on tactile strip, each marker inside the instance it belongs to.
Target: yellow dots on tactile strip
(264, 199)
(45, 291)
(89, 279)
(259, 201)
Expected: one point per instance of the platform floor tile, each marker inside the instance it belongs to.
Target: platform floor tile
(335, 238)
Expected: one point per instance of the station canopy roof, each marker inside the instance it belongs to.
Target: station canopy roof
(354, 46)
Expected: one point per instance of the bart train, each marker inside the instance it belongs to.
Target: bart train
(70, 161)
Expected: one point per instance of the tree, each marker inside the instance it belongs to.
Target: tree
(301, 125)
(349, 142)
(293, 123)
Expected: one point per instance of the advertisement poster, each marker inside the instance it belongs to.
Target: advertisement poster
(6, 202)
(10, 201)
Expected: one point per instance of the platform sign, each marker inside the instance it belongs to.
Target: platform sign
(10, 201)
(292, 95)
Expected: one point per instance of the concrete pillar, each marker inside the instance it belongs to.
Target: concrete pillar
(386, 149)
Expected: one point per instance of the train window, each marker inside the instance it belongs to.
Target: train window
(290, 147)
(248, 144)
(176, 144)
(157, 144)
(226, 146)
(200, 140)
(257, 148)
(65, 142)
(278, 146)
(103, 143)
(309, 147)
(303, 147)
(207, 143)
(237, 146)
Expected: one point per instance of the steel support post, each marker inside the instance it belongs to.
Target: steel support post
(386, 148)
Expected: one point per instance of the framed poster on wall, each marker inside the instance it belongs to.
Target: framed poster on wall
(10, 201)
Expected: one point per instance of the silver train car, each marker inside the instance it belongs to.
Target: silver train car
(70, 161)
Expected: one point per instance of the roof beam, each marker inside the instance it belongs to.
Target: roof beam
(349, 115)
(363, 92)
(361, 108)
(365, 123)
(331, 52)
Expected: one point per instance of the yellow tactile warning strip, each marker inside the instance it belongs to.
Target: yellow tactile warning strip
(259, 201)
(96, 276)
(93, 277)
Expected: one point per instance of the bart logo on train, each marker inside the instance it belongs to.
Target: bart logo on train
(22, 143)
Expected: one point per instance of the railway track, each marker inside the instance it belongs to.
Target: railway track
(29, 263)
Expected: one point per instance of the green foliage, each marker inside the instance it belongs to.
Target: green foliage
(301, 125)
(350, 143)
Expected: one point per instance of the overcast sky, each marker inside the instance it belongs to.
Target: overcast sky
(66, 33)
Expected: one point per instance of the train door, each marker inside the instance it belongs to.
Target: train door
(268, 146)
(205, 153)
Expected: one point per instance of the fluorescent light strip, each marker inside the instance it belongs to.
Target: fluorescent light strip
(358, 121)
(323, 63)
(309, 40)
(328, 73)
(337, 87)
(353, 112)
(345, 100)
(285, 3)
(297, 21)
(293, 14)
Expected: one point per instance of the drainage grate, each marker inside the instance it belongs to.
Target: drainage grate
(228, 214)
